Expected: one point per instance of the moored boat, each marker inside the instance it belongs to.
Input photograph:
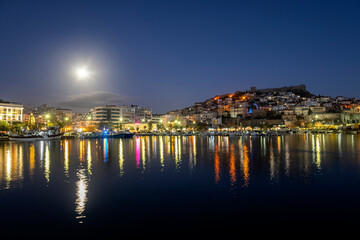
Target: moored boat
(52, 133)
(24, 137)
(122, 135)
(49, 134)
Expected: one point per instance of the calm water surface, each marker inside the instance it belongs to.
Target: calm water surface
(181, 184)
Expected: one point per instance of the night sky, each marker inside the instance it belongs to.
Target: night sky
(167, 55)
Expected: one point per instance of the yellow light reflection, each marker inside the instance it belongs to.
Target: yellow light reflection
(66, 158)
(179, 153)
(161, 153)
(82, 150)
(8, 168)
(32, 158)
(89, 158)
(176, 153)
(191, 157)
(318, 153)
(168, 147)
(278, 144)
(217, 165)
(11, 165)
(20, 161)
(241, 153)
(47, 162)
(246, 163)
(148, 150)
(232, 169)
(153, 143)
(121, 157)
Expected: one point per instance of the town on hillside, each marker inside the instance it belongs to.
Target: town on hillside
(291, 108)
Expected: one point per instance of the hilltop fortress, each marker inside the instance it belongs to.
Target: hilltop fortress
(298, 88)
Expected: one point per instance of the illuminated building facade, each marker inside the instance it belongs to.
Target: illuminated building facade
(142, 114)
(123, 113)
(127, 114)
(10, 112)
(108, 113)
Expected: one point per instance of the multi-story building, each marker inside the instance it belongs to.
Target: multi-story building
(142, 114)
(29, 119)
(156, 118)
(133, 113)
(127, 114)
(11, 112)
(108, 113)
(123, 114)
(167, 118)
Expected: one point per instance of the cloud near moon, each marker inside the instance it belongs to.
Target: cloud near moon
(86, 101)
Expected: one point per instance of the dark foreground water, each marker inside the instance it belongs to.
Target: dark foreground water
(182, 185)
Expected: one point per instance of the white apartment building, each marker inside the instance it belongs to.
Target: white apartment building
(11, 112)
(123, 113)
(127, 114)
(142, 114)
(105, 113)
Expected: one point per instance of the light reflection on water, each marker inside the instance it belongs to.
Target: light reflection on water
(66, 158)
(121, 157)
(81, 194)
(232, 162)
(279, 151)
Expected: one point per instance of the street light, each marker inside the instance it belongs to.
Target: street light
(47, 119)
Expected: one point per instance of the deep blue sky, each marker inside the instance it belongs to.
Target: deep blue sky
(169, 54)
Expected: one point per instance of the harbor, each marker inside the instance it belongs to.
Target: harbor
(89, 183)
(193, 119)
(56, 134)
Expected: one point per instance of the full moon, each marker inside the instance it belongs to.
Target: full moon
(82, 73)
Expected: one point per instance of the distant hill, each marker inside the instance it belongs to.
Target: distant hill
(298, 90)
